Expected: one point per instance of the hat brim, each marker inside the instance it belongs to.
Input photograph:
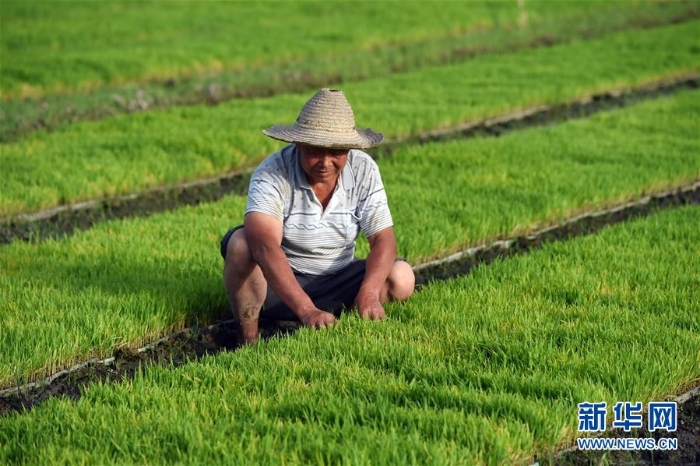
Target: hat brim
(357, 139)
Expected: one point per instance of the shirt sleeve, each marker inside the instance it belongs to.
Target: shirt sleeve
(373, 206)
(266, 191)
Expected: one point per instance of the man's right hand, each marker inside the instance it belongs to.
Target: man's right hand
(317, 318)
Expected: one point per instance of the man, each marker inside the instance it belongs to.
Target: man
(294, 254)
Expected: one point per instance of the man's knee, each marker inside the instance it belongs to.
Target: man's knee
(237, 250)
(401, 280)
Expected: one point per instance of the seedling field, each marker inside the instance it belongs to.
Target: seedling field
(126, 67)
(513, 184)
(122, 154)
(486, 368)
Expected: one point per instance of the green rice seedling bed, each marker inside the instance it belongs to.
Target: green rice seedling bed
(128, 282)
(66, 219)
(193, 343)
(72, 46)
(486, 369)
(535, 177)
(398, 45)
(134, 152)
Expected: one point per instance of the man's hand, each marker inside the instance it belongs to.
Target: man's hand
(380, 260)
(369, 306)
(317, 318)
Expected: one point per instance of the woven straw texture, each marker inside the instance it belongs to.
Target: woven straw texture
(326, 120)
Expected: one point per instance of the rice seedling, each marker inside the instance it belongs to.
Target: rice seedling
(486, 369)
(53, 66)
(131, 281)
(446, 196)
(74, 47)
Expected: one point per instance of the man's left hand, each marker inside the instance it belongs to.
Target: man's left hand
(369, 307)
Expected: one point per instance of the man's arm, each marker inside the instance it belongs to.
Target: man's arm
(379, 263)
(264, 236)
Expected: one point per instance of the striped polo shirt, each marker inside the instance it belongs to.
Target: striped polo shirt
(318, 241)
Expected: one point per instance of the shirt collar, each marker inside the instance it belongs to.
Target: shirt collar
(299, 177)
(347, 175)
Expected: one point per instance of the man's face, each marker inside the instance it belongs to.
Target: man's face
(321, 164)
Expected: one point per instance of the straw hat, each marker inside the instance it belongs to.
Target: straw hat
(326, 120)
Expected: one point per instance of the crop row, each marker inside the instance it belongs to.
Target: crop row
(66, 219)
(487, 368)
(192, 343)
(50, 48)
(155, 42)
(126, 282)
(130, 153)
(481, 29)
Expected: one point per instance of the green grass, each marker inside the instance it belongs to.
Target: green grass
(130, 153)
(378, 43)
(50, 47)
(486, 369)
(131, 281)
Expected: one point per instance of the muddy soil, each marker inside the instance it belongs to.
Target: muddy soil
(63, 221)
